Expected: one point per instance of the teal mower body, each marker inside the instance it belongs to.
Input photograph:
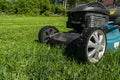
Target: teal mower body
(113, 37)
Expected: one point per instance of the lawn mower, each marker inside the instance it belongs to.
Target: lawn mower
(95, 30)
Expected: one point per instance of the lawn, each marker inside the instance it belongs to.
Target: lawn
(23, 58)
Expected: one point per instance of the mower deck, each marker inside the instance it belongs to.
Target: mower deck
(63, 38)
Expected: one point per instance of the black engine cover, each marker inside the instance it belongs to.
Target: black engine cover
(90, 7)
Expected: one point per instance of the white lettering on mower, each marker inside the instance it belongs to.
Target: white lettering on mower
(116, 45)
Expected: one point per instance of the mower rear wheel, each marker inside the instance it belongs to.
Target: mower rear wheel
(92, 44)
(45, 33)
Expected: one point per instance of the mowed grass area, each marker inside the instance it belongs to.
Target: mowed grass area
(23, 58)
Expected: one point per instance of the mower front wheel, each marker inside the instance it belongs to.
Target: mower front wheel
(92, 44)
(45, 33)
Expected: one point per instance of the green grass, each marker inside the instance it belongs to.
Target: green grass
(22, 58)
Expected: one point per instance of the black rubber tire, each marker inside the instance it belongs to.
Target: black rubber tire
(44, 36)
(82, 43)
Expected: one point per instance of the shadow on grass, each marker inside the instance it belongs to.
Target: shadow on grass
(72, 53)
(36, 41)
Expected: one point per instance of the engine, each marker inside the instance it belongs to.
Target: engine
(87, 15)
(96, 20)
(81, 20)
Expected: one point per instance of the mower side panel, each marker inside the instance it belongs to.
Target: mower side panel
(113, 40)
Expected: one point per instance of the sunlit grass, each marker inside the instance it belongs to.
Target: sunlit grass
(22, 58)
